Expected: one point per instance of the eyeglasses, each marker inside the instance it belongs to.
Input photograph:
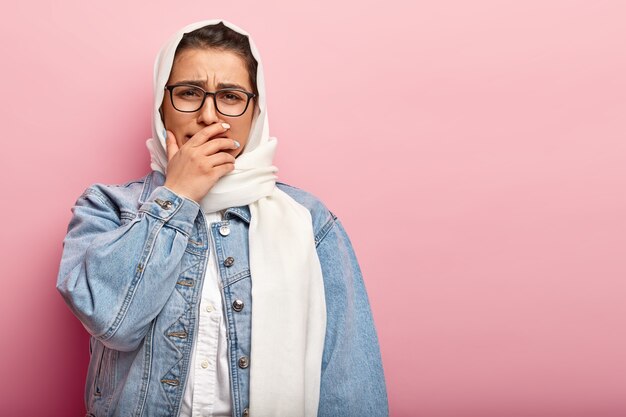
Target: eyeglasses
(230, 102)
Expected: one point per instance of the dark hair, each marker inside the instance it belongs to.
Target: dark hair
(220, 36)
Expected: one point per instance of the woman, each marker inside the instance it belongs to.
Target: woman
(209, 288)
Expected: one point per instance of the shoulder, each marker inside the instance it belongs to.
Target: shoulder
(126, 196)
(323, 219)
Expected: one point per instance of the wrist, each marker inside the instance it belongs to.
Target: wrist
(178, 192)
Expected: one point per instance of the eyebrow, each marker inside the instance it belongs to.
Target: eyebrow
(202, 84)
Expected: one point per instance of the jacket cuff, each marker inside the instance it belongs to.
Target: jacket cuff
(178, 211)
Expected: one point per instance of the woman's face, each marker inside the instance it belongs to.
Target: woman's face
(212, 70)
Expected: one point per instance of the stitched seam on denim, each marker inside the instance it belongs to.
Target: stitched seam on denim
(185, 363)
(96, 382)
(147, 370)
(233, 346)
(195, 321)
(167, 221)
(162, 219)
(238, 277)
(147, 211)
(127, 183)
(146, 188)
(127, 214)
(103, 199)
(237, 213)
(143, 261)
(194, 251)
(168, 224)
(111, 365)
(232, 342)
(323, 232)
(187, 349)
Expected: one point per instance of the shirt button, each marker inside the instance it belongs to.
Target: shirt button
(237, 305)
(209, 308)
(246, 413)
(243, 362)
(224, 230)
(228, 262)
(205, 364)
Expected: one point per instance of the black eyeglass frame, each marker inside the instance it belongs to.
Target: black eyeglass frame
(207, 93)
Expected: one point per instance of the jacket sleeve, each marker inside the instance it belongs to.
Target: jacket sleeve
(352, 381)
(116, 277)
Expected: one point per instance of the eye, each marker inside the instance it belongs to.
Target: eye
(231, 96)
(188, 92)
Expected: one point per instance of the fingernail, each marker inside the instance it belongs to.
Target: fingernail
(237, 144)
(225, 125)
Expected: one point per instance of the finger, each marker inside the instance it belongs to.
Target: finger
(207, 132)
(224, 169)
(215, 160)
(218, 144)
(171, 145)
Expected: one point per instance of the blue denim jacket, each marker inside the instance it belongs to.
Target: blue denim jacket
(132, 269)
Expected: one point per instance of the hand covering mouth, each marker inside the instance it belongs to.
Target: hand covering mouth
(217, 135)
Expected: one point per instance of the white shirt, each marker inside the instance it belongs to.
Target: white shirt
(207, 393)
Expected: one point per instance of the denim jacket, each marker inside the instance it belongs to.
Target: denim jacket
(132, 269)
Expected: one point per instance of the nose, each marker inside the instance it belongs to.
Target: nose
(208, 113)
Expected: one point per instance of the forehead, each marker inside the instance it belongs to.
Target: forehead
(210, 66)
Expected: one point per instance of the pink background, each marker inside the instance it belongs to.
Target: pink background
(475, 152)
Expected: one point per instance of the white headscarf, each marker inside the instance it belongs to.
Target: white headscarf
(288, 303)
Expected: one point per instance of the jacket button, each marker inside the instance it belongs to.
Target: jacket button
(237, 305)
(166, 205)
(243, 362)
(224, 230)
(245, 413)
(228, 262)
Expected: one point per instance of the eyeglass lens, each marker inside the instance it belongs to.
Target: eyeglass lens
(189, 99)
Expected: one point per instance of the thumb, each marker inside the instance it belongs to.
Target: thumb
(171, 145)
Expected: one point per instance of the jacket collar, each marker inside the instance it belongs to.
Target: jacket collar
(156, 178)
